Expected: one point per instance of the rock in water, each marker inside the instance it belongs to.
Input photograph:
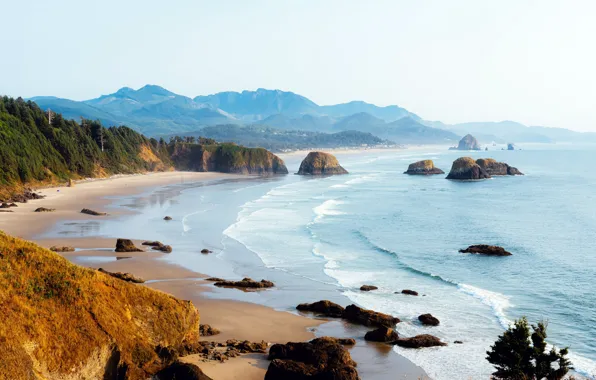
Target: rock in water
(126, 245)
(319, 163)
(424, 167)
(409, 292)
(493, 167)
(356, 314)
(382, 334)
(246, 283)
(368, 288)
(429, 319)
(484, 249)
(43, 209)
(420, 341)
(167, 218)
(465, 168)
(92, 212)
(468, 142)
(324, 307)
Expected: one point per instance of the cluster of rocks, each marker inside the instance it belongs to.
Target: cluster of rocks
(465, 168)
(484, 249)
(64, 248)
(245, 283)
(123, 276)
(44, 209)
(352, 313)
(93, 212)
(158, 246)
(206, 330)
(320, 163)
(222, 351)
(8, 205)
(126, 245)
(25, 196)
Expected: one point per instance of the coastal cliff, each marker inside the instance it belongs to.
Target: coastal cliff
(63, 321)
(495, 168)
(226, 158)
(424, 167)
(465, 168)
(320, 163)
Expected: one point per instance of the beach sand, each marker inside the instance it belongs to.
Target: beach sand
(236, 319)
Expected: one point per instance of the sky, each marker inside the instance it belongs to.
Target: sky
(532, 61)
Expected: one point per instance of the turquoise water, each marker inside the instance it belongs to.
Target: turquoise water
(325, 237)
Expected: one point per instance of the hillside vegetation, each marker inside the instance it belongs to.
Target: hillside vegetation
(63, 321)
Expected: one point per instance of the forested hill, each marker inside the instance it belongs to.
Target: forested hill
(34, 151)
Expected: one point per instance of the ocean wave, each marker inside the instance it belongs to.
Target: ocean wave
(496, 301)
(327, 208)
(185, 226)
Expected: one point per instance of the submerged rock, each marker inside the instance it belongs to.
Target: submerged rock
(468, 142)
(356, 314)
(324, 307)
(43, 209)
(167, 218)
(320, 163)
(205, 250)
(382, 334)
(368, 288)
(429, 320)
(465, 168)
(246, 283)
(123, 276)
(420, 341)
(92, 212)
(126, 245)
(424, 167)
(409, 292)
(493, 167)
(484, 249)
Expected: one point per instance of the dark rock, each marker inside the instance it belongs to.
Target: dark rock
(409, 292)
(126, 245)
(206, 330)
(92, 212)
(246, 283)
(216, 279)
(164, 248)
(205, 251)
(8, 205)
(319, 163)
(181, 371)
(420, 341)
(158, 246)
(368, 288)
(458, 342)
(62, 248)
(43, 209)
(356, 314)
(25, 196)
(465, 168)
(424, 167)
(468, 142)
(428, 319)
(324, 307)
(123, 276)
(382, 334)
(484, 249)
(167, 218)
(221, 351)
(320, 359)
(494, 168)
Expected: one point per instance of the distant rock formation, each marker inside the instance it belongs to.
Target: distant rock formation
(420, 341)
(424, 167)
(429, 320)
(382, 334)
(126, 245)
(324, 307)
(468, 142)
(484, 249)
(510, 146)
(320, 163)
(465, 168)
(494, 168)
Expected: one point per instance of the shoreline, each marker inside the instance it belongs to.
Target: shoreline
(236, 318)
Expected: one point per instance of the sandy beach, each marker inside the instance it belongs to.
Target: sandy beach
(235, 318)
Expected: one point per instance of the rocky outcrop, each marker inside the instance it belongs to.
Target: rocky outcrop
(429, 320)
(484, 249)
(43, 209)
(205, 251)
(409, 292)
(494, 168)
(424, 167)
(246, 283)
(465, 168)
(420, 341)
(93, 212)
(123, 276)
(368, 288)
(226, 158)
(126, 245)
(382, 334)
(158, 246)
(206, 330)
(25, 196)
(321, 358)
(222, 351)
(181, 371)
(356, 314)
(8, 205)
(468, 142)
(320, 163)
(324, 307)
(63, 248)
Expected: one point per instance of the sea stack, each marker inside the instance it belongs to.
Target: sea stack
(493, 167)
(424, 167)
(510, 146)
(320, 163)
(468, 142)
(465, 168)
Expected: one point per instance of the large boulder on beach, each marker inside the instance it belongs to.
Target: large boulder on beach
(484, 249)
(429, 320)
(324, 307)
(468, 142)
(420, 341)
(382, 334)
(246, 283)
(465, 168)
(424, 167)
(126, 245)
(320, 163)
(356, 314)
(181, 371)
(495, 168)
(322, 358)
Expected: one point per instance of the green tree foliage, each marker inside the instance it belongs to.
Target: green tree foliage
(519, 355)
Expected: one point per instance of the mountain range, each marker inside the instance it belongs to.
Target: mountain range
(155, 111)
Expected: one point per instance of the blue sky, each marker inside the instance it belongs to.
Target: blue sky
(449, 60)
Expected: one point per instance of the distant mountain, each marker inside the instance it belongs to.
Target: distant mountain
(358, 121)
(304, 122)
(389, 113)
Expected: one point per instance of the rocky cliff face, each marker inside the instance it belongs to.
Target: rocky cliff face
(227, 158)
(468, 142)
(495, 168)
(465, 168)
(319, 163)
(424, 167)
(62, 321)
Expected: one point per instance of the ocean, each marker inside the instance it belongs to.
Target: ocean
(322, 238)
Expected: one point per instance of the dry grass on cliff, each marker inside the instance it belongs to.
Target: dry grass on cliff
(55, 316)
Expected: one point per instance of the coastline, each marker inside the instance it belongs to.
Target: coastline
(236, 318)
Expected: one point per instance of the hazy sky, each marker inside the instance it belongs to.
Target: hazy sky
(449, 60)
